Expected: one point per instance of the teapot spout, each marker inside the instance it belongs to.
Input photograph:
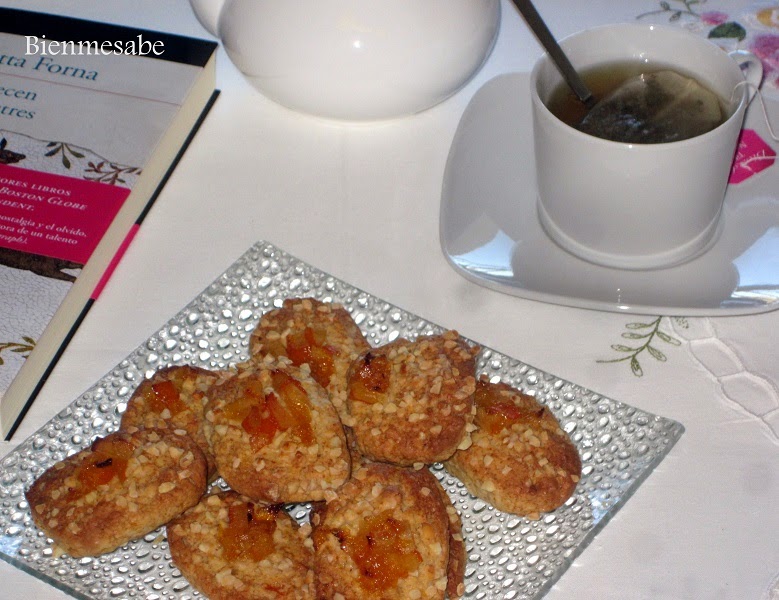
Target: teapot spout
(207, 12)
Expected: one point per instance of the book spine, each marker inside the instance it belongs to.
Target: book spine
(115, 261)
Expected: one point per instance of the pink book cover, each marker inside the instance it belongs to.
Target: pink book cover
(53, 213)
(77, 132)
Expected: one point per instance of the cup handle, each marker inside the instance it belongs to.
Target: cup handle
(752, 69)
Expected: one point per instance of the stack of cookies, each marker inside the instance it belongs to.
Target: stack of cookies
(316, 415)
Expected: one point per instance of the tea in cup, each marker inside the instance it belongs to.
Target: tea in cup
(638, 181)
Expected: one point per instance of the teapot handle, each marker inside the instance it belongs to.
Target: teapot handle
(207, 12)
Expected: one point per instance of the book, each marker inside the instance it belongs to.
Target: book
(93, 119)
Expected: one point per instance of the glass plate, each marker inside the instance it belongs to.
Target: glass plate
(508, 557)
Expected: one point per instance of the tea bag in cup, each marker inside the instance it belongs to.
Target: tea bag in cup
(656, 107)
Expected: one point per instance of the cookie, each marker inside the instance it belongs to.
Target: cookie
(121, 488)
(383, 535)
(455, 571)
(520, 460)
(232, 548)
(320, 334)
(275, 435)
(412, 402)
(173, 398)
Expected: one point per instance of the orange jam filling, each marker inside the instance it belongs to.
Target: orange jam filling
(162, 395)
(252, 395)
(291, 407)
(262, 415)
(249, 531)
(109, 459)
(372, 380)
(383, 550)
(261, 425)
(495, 412)
(310, 346)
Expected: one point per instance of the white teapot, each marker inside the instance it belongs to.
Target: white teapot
(355, 59)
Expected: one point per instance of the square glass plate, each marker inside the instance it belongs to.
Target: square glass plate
(509, 557)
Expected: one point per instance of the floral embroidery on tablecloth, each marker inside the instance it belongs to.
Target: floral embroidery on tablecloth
(754, 28)
(751, 392)
(644, 337)
(24, 347)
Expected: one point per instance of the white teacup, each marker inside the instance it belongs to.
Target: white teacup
(638, 206)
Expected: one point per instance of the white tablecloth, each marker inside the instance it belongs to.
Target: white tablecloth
(362, 203)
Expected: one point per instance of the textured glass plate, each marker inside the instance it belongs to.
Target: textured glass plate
(508, 557)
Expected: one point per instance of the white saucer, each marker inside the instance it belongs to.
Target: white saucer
(491, 234)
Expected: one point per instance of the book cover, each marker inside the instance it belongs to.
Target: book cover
(93, 118)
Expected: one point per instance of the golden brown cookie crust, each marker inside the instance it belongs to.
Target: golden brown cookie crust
(422, 409)
(165, 475)
(411, 497)
(192, 384)
(529, 467)
(455, 572)
(287, 469)
(343, 339)
(286, 573)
